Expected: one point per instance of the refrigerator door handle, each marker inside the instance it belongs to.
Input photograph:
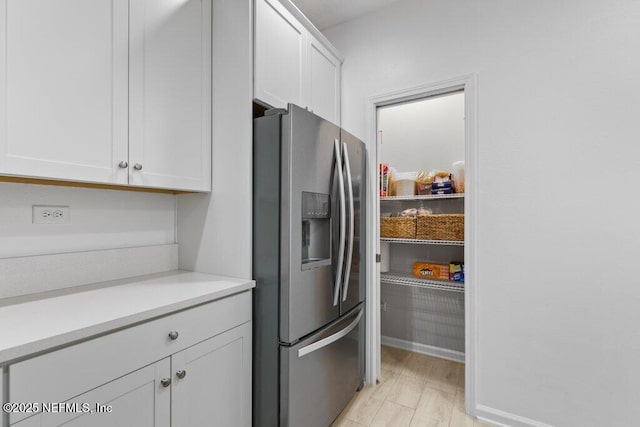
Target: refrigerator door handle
(345, 157)
(343, 220)
(331, 338)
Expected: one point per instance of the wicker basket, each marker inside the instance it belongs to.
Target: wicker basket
(441, 227)
(398, 227)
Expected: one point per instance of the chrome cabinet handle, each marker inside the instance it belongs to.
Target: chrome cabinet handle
(181, 374)
(137, 167)
(173, 335)
(123, 164)
(165, 382)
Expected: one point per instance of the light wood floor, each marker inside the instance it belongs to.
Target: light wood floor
(415, 390)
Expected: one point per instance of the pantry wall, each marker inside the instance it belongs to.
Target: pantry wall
(422, 296)
(551, 84)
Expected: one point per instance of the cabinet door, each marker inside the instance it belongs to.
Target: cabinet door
(63, 89)
(280, 55)
(324, 82)
(170, 94)
(216, 386)
(137, 399)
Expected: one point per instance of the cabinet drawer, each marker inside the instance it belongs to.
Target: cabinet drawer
(62, 374)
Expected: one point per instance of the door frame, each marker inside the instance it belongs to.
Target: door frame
(468, 84)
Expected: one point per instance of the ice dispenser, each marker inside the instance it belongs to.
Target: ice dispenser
(316, 230)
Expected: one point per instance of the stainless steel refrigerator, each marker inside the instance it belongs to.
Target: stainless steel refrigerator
(308, 263)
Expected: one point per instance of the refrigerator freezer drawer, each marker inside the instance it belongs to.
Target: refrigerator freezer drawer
(320, 375)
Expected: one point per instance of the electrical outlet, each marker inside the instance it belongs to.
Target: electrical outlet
(51, 214)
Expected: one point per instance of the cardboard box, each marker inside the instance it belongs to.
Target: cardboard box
(384, 179)
(425, 270)
(441, 184)
(442, 191)
(456, 271)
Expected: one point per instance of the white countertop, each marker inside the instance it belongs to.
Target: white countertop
(37, 323)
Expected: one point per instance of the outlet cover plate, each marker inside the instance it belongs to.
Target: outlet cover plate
(50, 214)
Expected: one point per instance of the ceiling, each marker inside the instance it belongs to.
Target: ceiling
(327, 13)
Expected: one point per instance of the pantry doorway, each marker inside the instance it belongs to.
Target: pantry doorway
(434, 232)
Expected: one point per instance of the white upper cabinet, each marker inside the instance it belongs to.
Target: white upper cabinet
(324, 82)
(107, 91)
(280, 55)
(63, 90)
(294, 63)
(170, 94)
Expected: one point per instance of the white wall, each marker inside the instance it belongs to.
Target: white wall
(214, 230)
(558, 107)
(423, 135)
(100, 219)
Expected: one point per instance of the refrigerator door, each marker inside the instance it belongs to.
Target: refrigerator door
(320, 374)
(308, 292)
(354, 158)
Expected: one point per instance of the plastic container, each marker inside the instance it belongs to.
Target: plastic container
(424, 189)
(385, 256)
(458, 176)
(405, 183)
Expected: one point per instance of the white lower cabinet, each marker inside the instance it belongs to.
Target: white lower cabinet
(191, 368)
(137, 399)
(215, 387)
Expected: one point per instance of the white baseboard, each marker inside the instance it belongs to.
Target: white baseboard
(34, 274)
(456, 356)
(500, 418)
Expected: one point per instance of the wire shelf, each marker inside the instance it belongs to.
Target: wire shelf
(424, 242)
(405, 280)
(425, 197)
